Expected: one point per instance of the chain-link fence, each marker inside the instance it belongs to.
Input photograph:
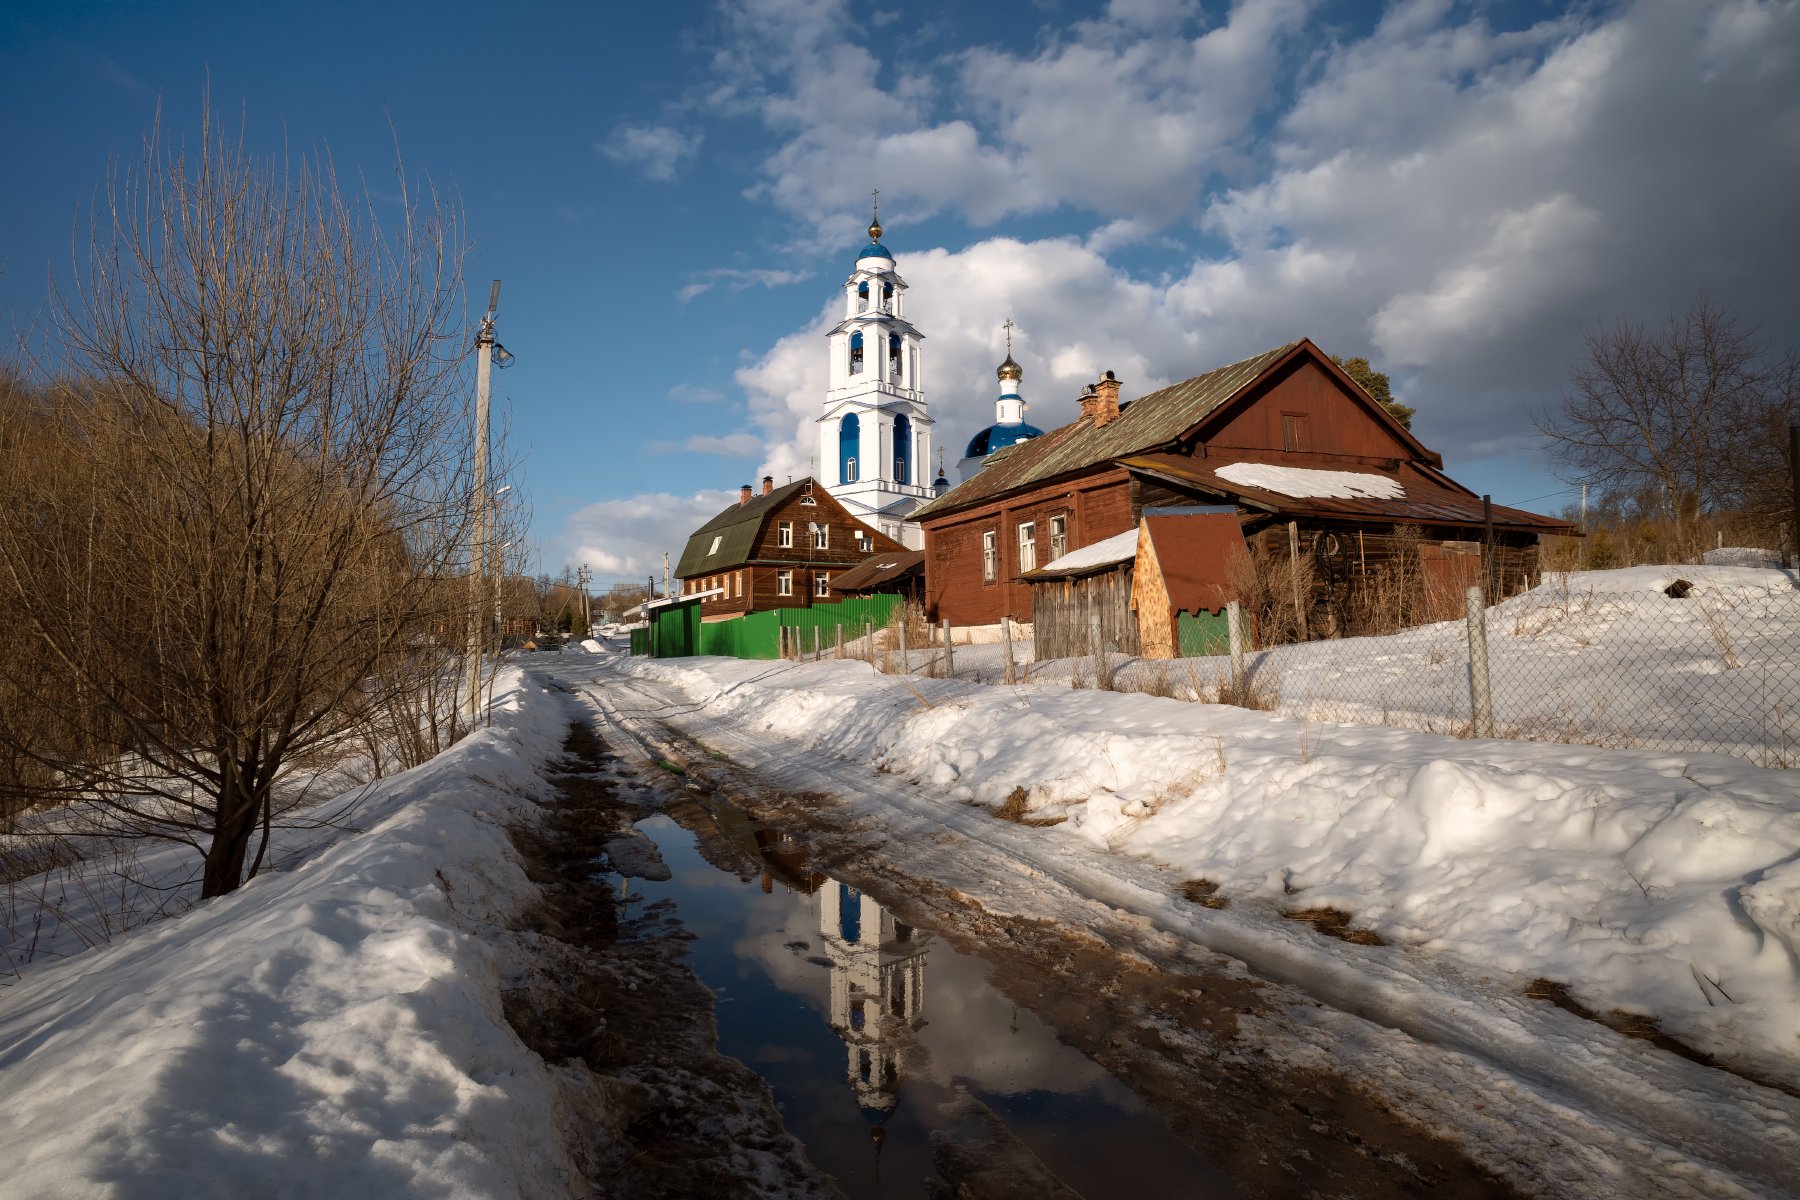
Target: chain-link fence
(1714, 670)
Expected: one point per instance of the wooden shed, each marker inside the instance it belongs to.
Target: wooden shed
(1183, 579)
(1069, 593)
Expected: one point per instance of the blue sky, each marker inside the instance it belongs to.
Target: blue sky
(673, 193)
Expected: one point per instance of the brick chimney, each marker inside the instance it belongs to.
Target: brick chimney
(744, 495)
(768, 484)
(1090, 400)
(1106, 401)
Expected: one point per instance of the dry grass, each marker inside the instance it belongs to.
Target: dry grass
(1205, 893)
(1334, 922)
(1259, 690)
(1014, 806)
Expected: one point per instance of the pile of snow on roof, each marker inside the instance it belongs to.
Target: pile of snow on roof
(1304, 482)
(1117, 548)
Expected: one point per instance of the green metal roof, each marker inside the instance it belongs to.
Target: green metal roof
(736, 528)
(1145, 423)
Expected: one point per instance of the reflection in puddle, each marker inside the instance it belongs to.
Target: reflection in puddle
(828, 997)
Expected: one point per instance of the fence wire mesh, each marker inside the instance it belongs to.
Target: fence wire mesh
(1717, 671)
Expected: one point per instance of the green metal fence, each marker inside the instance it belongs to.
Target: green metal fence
(677, 631)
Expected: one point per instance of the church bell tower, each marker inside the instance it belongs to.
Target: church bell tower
(875, 433)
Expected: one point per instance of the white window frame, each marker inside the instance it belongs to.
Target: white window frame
(822, 537)
(864, 542)
(717, 540)
(784, 583)
(822, 585)
(1027, 546)
(784, 535)
(990, 556)
(1059, 537)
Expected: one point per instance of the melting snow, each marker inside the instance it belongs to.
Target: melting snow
(1304, 482)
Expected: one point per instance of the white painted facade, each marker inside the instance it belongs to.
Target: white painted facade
(876, 378)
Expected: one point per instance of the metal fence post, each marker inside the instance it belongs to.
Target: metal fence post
(949, 662)
(1234, 628)
(1481, 697)
(1006, 631)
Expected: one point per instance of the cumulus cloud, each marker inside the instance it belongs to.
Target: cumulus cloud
(1456, 198)
(626, 539)
(657, 150)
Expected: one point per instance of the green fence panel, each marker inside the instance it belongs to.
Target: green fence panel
(678, 632)
(640, 642)
(1203, 633)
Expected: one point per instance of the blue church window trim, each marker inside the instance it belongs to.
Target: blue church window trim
(849, 442)
(893, 356)
(862, 296)
(856, 354)
(902, 449)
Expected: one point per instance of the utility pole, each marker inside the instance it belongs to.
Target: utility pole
(665, 574)
(486, 350)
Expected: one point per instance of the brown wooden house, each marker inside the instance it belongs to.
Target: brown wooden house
(1309, 461)
(779, 549)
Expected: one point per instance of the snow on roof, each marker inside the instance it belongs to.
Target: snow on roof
(1117, 548)
(1303, 482)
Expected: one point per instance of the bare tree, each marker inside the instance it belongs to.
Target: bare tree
(246, 497)
(1690, 415)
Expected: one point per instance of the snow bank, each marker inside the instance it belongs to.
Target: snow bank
(333, 1029)
(1658, 883)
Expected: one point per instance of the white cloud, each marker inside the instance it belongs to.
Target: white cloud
(733, 445)
(690, 393)
(1455, 199)
(736, 280)
(656, 149)
(626, 539)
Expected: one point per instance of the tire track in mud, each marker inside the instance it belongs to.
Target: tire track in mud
(1167, 1029)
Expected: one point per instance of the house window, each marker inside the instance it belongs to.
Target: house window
(784, 534)
(1293, 432)
(1059, 537)
(784, 583)
(822, 585)
(1028, 546)
(821, 537)
(740, 585)
(990, 556)
(864, 542)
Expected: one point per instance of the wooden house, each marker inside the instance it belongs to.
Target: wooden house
(777, 549)
(1308, 461)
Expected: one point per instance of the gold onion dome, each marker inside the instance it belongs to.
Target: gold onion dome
(1009, 370)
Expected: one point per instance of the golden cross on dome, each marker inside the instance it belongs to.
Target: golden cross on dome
(1009, 329)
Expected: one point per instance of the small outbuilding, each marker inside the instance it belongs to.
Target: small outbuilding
(1182, 579)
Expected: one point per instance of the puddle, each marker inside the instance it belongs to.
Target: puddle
(868, 1031)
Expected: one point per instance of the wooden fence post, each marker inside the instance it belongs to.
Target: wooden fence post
(1006, 631)
(1294, 573)
(869, 640)
(905, 656)
(840, 639)
(949, 662)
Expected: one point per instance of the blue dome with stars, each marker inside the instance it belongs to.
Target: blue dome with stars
(874, 250)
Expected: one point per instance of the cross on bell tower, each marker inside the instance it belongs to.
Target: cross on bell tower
(875, 432)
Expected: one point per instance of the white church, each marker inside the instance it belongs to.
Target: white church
(875, 432)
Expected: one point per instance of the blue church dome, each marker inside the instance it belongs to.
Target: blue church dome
(998, 437)
(874, 250)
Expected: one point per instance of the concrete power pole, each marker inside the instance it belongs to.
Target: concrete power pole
(484, 351)
(479, 500)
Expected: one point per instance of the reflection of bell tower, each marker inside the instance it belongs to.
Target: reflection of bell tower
(877, 987)
(875, 433)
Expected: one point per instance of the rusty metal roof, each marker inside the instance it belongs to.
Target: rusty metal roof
(1195, 553)
(1149, 421)
(881, 569)
(1425, 502)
